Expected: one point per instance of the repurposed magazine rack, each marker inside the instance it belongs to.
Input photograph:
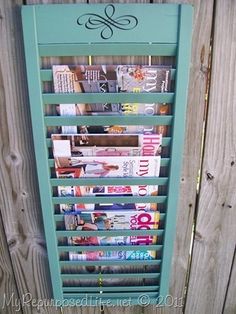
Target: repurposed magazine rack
(108, 30)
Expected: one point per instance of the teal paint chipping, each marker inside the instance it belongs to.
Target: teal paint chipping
(153, 30)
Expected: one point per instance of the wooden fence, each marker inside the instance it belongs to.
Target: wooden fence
(203, 276)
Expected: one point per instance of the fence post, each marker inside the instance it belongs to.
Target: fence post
(214, 241)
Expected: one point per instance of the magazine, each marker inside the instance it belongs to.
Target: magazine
(107, 191)
(125, 167)
(106, 206)
(111, 78)
(66, 146)
(69, 172)
(133, 220)
(59, 150)
(69, 191)
(110, 109)
(111, 220)
(129, 190)
(112, 255)
(77, 145)
(112, 129)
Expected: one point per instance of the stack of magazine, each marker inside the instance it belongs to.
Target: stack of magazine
(109, 151)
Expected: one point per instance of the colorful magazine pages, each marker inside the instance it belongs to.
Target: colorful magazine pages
(111, 220)
(107, 191)
(94, 151)
(149, 145)
(112, 255)
(88, 155)
(111, 109)
(111, 78)
(120, 109)
(125, 167)
(138, 78)
(69, 172)
(108, 206)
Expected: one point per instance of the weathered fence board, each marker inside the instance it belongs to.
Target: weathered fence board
(81, 310)
(8, 289)
(19, 199)
(215, 235)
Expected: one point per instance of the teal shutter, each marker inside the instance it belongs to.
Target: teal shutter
(153, 30)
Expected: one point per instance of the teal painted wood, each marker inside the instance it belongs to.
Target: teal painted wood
(138, 30)
(108, 120)
(70, 248)
(111, 295)
(108, 97)
(108, 200)
(182, 73)
(36, 106)
(110, 233)
(108, 181)
(110, 289)
(118, 49)
(162, 30)
(106, 276)
(155, 262)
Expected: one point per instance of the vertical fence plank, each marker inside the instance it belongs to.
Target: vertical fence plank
(8, 291)
(9, 301)
(215, 236)
(203, 13)
(127, 309)
(123, 310)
